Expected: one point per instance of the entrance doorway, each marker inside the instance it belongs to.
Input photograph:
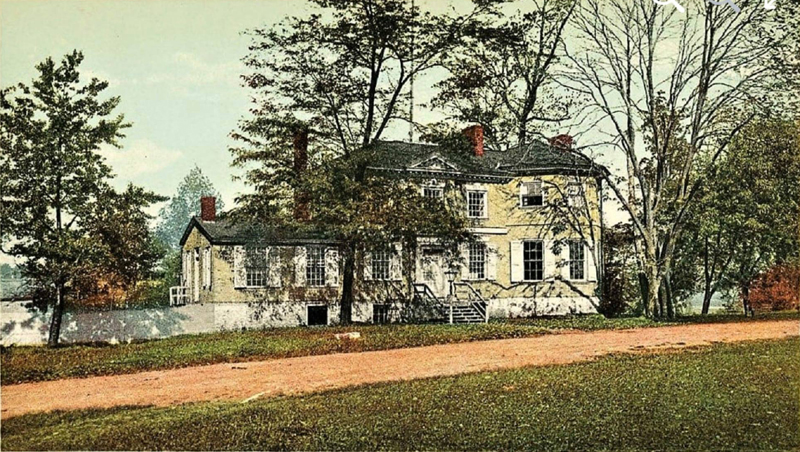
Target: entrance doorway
(432, 266)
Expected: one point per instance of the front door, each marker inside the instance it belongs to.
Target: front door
(432, 265)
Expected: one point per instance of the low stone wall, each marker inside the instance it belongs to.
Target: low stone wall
(28, 326)
(533, 307)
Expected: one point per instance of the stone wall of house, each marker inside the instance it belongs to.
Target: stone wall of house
(506, 223)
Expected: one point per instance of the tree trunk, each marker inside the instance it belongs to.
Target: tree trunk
(346, 303)
(55, 320)
(669, 299)
(746, 300)
(644, 290)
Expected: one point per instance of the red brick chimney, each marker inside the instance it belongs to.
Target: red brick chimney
(208, 208)
(563, 142)
(475, 135)
(300, 145)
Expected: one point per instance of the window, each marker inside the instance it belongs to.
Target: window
(315, 266)
(576, 260)
(380, 264)
(476, 204)
(317, 315)
(433, 192)
(531, 194)
(256, 267)
(575, 194)
(533, 260)
(380, 313)
(477, 261)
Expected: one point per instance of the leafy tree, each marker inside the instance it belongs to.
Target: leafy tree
(53, 180)
(174, 217)
(338, 77)
(745, 220)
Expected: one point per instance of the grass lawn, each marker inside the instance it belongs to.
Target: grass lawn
(23, 364)
(724, 397)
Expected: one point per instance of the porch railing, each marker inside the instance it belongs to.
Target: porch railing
(178, 295)
(473, 297)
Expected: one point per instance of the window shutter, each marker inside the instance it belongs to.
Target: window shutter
(274, 270)
(207, 268)
(515, 256)
(396, 263)
(491, 262)
(184, 265)
(549, 260)
(367, 266)
(239, 278)
(331, 267)
(463, 250)
(300, 255)
(566, 257)
(591, 270)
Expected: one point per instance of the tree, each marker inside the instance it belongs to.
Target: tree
(174, 217)
(672, 114)
(335, 80)
(502, 75)
(53, 180)
(744, 221)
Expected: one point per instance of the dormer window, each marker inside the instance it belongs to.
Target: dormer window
(531, 194)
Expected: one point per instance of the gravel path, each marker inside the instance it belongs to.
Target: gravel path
(252, 380)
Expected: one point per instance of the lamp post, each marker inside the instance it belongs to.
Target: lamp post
(451, 277)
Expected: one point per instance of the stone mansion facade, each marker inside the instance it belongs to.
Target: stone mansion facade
(535, 211)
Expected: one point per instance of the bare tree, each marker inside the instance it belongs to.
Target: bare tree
(501, 76)
(673, 90)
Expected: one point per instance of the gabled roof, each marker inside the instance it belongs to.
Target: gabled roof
(424, 160)
(227, 231)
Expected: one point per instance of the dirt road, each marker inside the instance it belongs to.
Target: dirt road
(252, 380)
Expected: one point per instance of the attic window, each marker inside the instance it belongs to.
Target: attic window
(433, 189)
(531, 194)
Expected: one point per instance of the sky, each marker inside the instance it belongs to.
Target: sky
(174, 63)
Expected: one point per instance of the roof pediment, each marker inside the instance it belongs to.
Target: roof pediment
(433, 163)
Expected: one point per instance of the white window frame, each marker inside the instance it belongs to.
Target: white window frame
(575, 194)
(484, 202)
(577, 245)
(316, 264)
(523, 186)
(433, 186)
(381, 265)
(252, 270)
(524, 260)
(478, 248)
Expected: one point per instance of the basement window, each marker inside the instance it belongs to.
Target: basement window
(317, 315)
(380, 313)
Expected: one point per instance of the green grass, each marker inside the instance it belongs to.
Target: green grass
(725, 397)
(24, 364)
